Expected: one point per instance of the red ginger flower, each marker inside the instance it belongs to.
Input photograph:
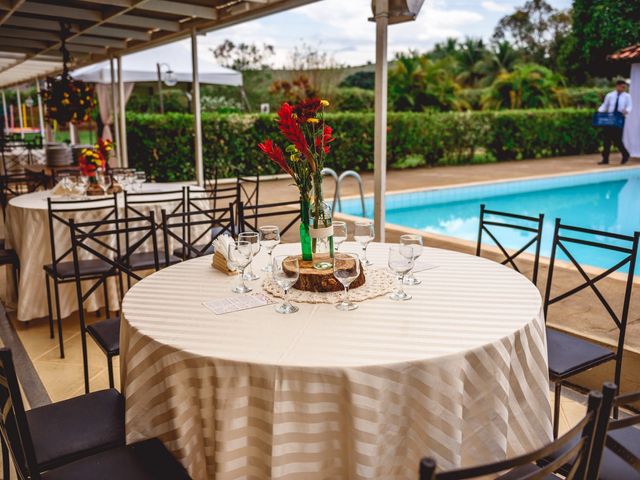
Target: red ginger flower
(307, 109)
(275, 154)
(325, 139)
(291, 130)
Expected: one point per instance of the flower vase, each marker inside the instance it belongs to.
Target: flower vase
(93, 189)
(321, 233)
(305, 237)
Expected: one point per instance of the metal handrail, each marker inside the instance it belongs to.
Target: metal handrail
(338, 180)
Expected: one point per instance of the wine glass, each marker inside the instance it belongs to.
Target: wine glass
(400, 262)
(64, 180)
(340, 234)
(139, 178)
(240, 255)
(286, 271)
(254, 239)
(415, 241)
(269, 239)
(364, 235)
(346, 268)
(104, 181)
(82, 184)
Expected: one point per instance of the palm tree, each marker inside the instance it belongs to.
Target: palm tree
(470, 55)
(502, 58)
(527, 86)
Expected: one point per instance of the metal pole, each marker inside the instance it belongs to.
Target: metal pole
(73, 137)
(380, 129)
(124, 160)
(195, 103)
(4, 110)
(40, 109)
(114, 110)
(20, 113)
(160, 88)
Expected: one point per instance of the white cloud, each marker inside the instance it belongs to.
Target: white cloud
(496, 7)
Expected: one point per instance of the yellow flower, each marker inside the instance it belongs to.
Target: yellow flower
(295, 157)
(312, 120)
(324, 103)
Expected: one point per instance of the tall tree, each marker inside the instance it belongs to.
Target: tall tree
(243, 56)
(470, 55)
(501, 58)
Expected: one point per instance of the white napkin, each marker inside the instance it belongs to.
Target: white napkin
(221, 245)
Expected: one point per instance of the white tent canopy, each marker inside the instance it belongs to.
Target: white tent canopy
(142, 67)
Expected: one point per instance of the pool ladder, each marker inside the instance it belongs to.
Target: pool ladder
(338, 181)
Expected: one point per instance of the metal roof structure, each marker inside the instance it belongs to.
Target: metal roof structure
(30, 36)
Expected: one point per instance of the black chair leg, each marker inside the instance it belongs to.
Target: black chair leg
(56, 294)
(16, 277)
(556, 408)
(6, 464)
(49, 306)
(110, 368)
(85, 359)
(105, 290)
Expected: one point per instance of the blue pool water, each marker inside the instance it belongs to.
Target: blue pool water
(608, 201)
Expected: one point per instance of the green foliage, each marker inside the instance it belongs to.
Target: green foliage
(527, 86)
(219, 104)
(353, 100)
(162, 145)
(147, 101)
(599, 28)
(364, 80)
(586, 97)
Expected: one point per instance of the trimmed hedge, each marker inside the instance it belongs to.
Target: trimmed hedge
(163, 145)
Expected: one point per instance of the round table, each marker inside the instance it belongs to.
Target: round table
(27, 232)
(458, 373)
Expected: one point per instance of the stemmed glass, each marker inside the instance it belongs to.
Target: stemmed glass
(400, 262)
(339, 234)
(269, 239)
(104, 181)
(415, 242)
(286, 271)
(346, 268)
(254, 239)
(82, 184)
(364, 235)
(240, 255)
(64, 180)
(139, 178)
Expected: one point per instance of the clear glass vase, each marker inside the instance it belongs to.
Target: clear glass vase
(321, 233)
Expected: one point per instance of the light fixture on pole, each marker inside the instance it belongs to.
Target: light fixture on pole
(385, 13)
(168, 78)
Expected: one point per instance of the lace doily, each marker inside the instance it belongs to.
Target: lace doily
(378, 282)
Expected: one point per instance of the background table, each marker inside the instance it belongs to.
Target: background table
(27, 232)
(459, 373)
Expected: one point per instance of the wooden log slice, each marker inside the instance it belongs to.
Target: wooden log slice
(313, 280)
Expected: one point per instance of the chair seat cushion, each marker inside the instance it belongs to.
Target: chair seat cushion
(74, 428)
(569, 355)
(612, 466)
(148, 460)
(180, 251)
(145, 260)
(106, 333)
(86, 267)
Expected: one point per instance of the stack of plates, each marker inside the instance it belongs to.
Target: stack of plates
(58, 154)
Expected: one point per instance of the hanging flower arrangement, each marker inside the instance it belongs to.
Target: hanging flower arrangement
(67, 100)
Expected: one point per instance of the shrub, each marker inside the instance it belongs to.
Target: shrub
(353, 100)
(162, 145)
(586, 97)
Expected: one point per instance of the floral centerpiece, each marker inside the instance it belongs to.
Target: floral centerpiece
(93, 159)
(308, 145)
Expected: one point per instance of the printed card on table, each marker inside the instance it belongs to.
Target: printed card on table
(237, 303)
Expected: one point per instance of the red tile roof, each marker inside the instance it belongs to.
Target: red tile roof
(628, 54)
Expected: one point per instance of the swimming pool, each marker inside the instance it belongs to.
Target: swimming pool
(608, 201)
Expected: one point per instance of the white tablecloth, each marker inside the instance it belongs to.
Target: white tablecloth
(27, 232)
(459, 373)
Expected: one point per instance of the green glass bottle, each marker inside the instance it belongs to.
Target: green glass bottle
(305, 238)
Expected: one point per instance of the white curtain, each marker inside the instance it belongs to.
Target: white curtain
(103, 90)
(631, 134)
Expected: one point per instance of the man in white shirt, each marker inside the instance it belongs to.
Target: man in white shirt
(617, 101)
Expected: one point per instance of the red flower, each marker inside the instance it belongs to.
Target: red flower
(291, 130)
(275, 154)
(307, 109)
(325, 139)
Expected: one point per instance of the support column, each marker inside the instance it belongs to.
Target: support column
(40, 109)
(124, 160)
(195, 106)
(5, 112)
(20, 112)
(114, 109)
(380, 129)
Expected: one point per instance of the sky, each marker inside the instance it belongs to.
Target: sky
(340, 27)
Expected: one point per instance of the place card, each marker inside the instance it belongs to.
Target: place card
(237, 303)
(423, 266)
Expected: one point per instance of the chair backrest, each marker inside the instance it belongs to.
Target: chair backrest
(564, 450)
(60, 211)
(512, 221)
(564, 238)
(211, 197)
(13, 424)
(195, 231)
(101, 240)
(250, 217)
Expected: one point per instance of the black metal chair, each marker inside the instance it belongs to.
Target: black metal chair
(196, 231)
(78, 439)
(97, 239)
(60, 432)
(570, 355)
(10, 258)
(136, 204)
(527, 224)
(61, 268)
(250, 217)
(529, 466)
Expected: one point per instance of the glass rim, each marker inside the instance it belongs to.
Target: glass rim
(269, 227)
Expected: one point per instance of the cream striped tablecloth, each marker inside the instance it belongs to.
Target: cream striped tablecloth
(458, 373)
